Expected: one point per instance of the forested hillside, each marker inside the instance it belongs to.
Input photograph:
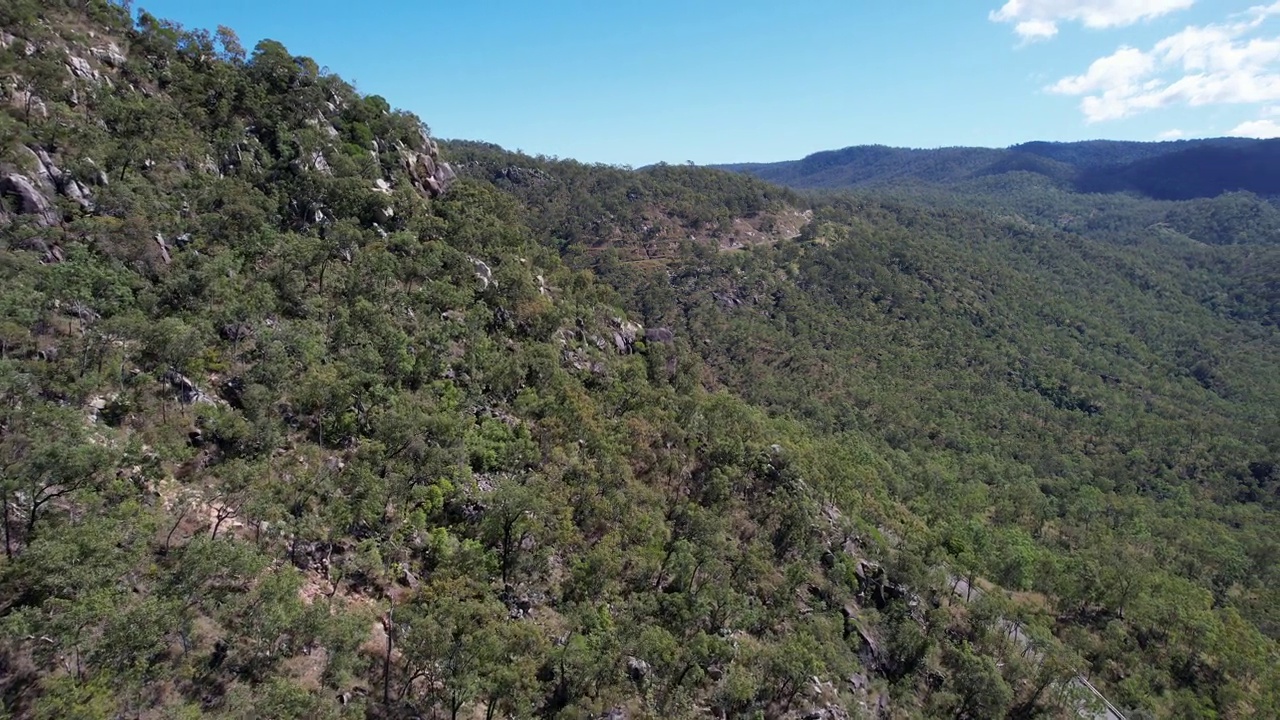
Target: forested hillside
(1174, 170)
(1219, 191)
(303, 414)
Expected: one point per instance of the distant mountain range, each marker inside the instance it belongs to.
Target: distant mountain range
(1179, 170)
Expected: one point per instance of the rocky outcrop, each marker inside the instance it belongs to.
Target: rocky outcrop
(45, 170)
(53, 179)
(100, 177)
(626, 334)
(638, 670)
(484, 274)
(322, 123)
(79, 194)
(188, 392)
(207, 165)
(83, 70)
(660, 335)
(523, 176)
(580, 360)
(27, 102)
(315, 160)
(30, 200)
(46, 180)
(165, 252)
(109, 54)
(50, 254)
(429, 175)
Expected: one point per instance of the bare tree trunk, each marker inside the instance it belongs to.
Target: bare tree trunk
(8, 546)
(506, 552)
(223, 514)
(176, 523)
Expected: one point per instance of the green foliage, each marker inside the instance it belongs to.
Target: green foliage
(283, 435)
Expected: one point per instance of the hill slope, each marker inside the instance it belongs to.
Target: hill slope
(306, 416)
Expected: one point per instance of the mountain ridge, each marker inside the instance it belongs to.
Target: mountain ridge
(1105, 166)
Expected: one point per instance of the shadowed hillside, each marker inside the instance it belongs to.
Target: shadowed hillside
(1178, 170)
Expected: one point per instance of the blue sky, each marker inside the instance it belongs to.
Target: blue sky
(747, 80)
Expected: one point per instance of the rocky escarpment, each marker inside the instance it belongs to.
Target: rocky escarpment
(56, 81)
(29, 199)
(33, 190)
(428, 173)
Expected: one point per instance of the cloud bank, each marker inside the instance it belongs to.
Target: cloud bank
(1257, 129)
(1235, 62)
(1034, 20)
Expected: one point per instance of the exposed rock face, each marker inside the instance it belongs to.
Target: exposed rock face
(40, 160)
(188, 392)
(31, 201)
(580, 360)
(325, 126)
(100, 177)
(78, 193)
(483, 273)
(624, 338)
(523, 176)
(53, 178)
(637, 669)
(208, 166)
(28, 102)
(427, 176)
(430, 176)
(165, 254)
(49, 254)
(109, 54)
(662, 335)
(81, 68)
(319, 163)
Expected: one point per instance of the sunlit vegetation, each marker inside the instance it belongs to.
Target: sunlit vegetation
(286, 432)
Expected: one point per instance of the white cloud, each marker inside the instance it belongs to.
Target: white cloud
(1257, 129)
(1172, 134)
(1038, 19)
(1119, 70)
(1032, 30)
(1227, 63)
(1262, 12)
